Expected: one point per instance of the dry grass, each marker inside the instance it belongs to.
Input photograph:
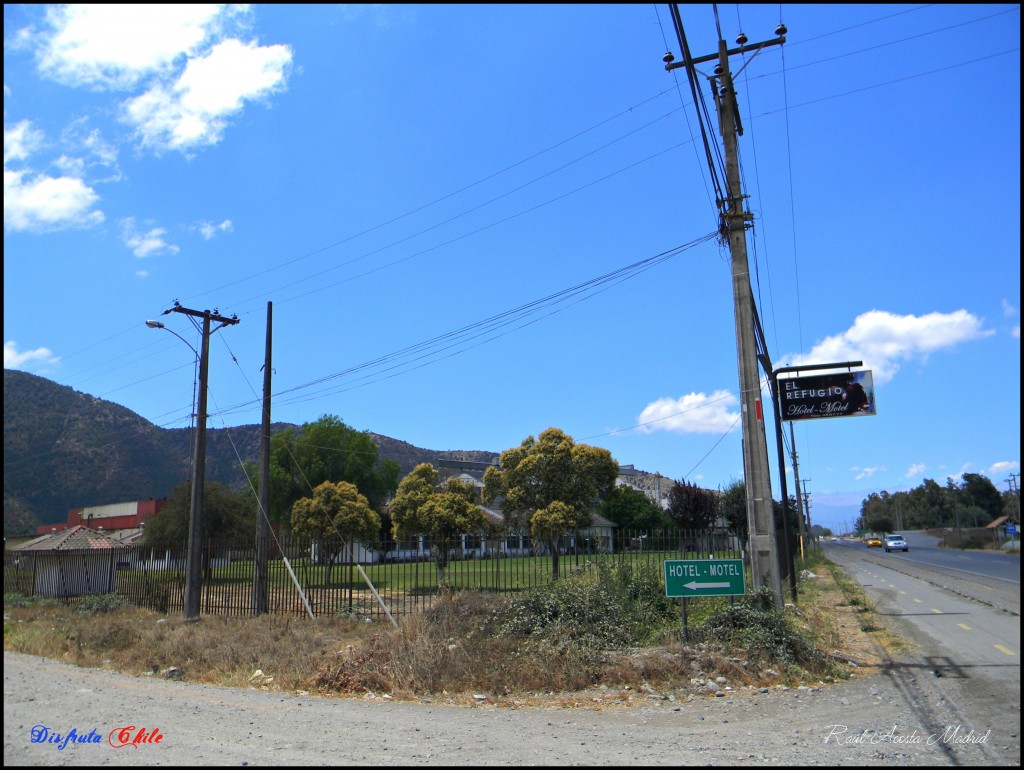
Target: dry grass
(453, 652)
(216, 650)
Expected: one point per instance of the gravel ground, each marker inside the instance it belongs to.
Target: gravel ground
(887, 719)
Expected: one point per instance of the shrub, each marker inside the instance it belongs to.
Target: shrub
(96, 603)
(601, 607)
(156, 592)
(764, 632)
(15, 599)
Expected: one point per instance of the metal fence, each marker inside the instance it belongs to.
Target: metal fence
(339, 579)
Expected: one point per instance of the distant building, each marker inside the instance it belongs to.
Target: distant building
(111, 518)
(654, 485)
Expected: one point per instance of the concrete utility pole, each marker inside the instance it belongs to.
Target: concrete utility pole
(764, 560)
(261, 603)
(194, 562)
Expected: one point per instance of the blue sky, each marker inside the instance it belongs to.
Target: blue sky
(476, 222)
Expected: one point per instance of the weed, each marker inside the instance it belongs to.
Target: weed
(609, 625)
(98, 603)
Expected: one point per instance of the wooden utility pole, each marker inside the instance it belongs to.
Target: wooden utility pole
(796, 481)
(260, 584)
(194, 559)
(807, 506)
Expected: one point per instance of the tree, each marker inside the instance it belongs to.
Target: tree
(692, 507)
(633, 511)
(551, 468)
(980, 492)
(442, 514)
(337, 516)
(325, 450)
(733, 503)
(227, 514)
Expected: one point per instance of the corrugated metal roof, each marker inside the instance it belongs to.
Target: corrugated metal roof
(75, 539)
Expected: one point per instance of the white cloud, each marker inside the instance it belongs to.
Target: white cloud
(883, 340)
(41, 357)
(142, 274)
(114, 46)
(95, 151)
(193, 111)
(20, 140)
(914, 470)
(998, 469)
(148, 244)
(1009, 310)
(210, 230)
(43, 202)
(866, 473)
(692, 413)
(40, 202)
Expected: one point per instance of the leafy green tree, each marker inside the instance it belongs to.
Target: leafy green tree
(337, 516)
(227, 514)
(551, 468)
(877, 513)
(692, 507)
(443, 514)
(325, 450)
(633, 511)
(980, 492)
(733, 502)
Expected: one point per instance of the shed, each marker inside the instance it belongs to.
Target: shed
(74, 562)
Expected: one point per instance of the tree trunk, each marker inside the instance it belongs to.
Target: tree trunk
(441, 563)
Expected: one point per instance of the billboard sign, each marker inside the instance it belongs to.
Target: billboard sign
(847, 394)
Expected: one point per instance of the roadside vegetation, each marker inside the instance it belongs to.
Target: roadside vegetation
(603, 635)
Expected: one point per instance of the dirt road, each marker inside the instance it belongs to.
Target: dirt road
(870, 721)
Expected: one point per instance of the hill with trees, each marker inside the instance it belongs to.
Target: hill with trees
(65, 449)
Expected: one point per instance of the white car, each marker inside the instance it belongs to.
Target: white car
(896, 543)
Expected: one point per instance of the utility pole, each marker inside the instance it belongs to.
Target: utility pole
(1015, 491)
(807, 505)
(734, 221)
(796, 480)
(261, 597)
(194, 562)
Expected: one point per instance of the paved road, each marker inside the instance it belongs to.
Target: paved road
(965, 626)
(925, 550)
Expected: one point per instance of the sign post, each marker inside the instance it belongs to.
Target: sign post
(686, 578)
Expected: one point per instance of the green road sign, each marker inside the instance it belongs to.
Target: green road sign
(704, 577)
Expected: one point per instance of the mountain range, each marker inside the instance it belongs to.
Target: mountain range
(64, 449)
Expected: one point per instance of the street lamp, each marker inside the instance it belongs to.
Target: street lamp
(157, 325)
(194, 561)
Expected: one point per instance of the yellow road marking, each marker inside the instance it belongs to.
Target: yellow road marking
(918, 601)
(937, 612)
(965, 628)
(1003, 649)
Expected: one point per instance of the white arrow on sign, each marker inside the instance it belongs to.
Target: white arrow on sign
(694, 586)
